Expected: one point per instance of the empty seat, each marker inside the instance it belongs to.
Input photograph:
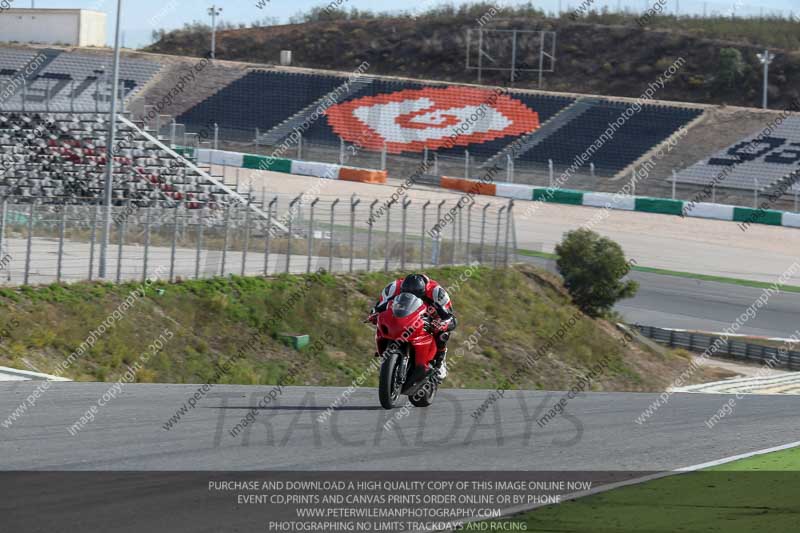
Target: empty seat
(46, 159)
(756, 161)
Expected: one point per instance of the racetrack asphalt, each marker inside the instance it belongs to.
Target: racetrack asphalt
(682, 303)
(598, 431)
(124, 472)
(672, 302)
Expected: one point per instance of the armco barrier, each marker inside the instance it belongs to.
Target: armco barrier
(626, 203)
(509, 190)
(320, 170)
(791, 219)
(258, 162)
(429, 180)
(558, 196)
(760, 216)
(659, 205)
(362, 175)
(220, 157)
(715, 211)
(184, 151)
(287, 166)
(699, 342)
(469, 186)
(512, 190)
(609, 200)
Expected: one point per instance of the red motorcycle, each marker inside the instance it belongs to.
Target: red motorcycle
(407, 350)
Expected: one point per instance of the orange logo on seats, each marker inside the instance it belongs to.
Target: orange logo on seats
(436, 118)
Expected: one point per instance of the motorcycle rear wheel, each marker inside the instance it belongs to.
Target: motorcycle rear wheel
(390, 382)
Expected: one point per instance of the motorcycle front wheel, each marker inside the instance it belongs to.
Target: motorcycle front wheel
(391, 382)
(424, 396)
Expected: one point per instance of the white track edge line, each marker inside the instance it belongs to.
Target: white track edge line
(510, 511)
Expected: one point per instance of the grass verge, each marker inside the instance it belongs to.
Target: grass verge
(680, 274)
(760, 493)
(504, 315)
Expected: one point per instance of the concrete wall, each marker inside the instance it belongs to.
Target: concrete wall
(93, 28)
(53, 26)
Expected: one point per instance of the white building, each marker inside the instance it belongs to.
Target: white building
(72, 27)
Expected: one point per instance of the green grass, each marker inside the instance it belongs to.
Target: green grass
(211, 319)
(761, 493)
(718, 279)
(680, 274)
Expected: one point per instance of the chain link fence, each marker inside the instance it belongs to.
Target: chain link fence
(43, 242)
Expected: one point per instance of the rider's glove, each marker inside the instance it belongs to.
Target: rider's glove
(429, 326)
(449, 324)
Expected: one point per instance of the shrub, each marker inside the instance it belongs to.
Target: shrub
(731, 67)
(593, 268)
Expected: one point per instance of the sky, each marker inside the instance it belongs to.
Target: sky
(141, 17)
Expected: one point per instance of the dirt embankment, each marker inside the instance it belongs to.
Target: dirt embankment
(235, 323)
(614, 60)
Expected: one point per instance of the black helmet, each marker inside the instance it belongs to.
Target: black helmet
(415, 284)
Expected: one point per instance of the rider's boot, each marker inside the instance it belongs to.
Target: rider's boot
(440, 363)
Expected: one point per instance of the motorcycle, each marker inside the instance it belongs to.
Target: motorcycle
(407, 349)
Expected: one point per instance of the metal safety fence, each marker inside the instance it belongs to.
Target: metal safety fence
(734, 348)
(45, 242)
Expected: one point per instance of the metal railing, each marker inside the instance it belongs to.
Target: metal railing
(45, 242)
(733, 348)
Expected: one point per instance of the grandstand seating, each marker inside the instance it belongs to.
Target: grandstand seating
(260, 99)
(73, 81)
(264, 99)
(642, 131)
(543, 106)
(764, 158)
(62, 157)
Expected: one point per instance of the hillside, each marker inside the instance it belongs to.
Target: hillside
(211, 321)
(608, 56)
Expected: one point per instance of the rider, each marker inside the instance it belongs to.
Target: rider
(436, 297)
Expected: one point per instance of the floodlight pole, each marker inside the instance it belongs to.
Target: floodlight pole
(480, 54)
(112, 132)
(766, 58)
(214, 11)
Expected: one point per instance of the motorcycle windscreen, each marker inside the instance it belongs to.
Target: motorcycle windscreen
(405, 304)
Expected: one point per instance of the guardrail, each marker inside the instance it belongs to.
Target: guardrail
(734, 348)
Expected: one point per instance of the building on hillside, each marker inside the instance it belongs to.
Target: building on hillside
(71, 27)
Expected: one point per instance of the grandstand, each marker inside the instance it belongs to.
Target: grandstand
(68, 81)
(383, 120)
(60, 157)
(757, 161)
(54, 127)
(271, 98)
(647, 128)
